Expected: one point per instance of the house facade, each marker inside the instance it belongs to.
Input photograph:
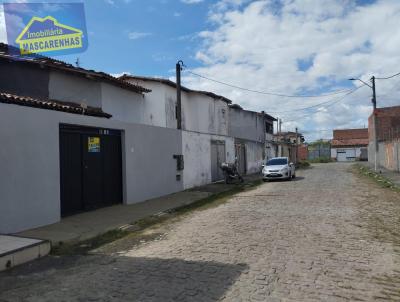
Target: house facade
(349, 144)
(287, 143)
(62, 153)
(75, 140)
(250, 130)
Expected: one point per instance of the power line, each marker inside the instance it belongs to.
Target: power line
(265, 92)
(389, 77)
(309, 107)
(335, 102)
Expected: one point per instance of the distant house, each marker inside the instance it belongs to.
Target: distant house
(287, 144)
(349, 144)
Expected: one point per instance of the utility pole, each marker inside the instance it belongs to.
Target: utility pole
(179, 65)
(297, 147)
(375, 120)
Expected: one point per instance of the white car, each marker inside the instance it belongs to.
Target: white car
(278, 168)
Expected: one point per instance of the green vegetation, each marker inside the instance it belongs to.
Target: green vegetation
(84, 246)
(377, 177)
(321, 160)
(318, 144)
(137, 230)
(303, 164)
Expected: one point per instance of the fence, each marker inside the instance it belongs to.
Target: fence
(389, 155)
(389, 134)
(319, 151)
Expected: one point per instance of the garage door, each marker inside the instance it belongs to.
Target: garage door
(90, 168)
(346, 155)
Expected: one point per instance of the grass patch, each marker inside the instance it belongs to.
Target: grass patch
(137, 231)
(303, 164)
(85, 246)
(320, 160)
(378, 178)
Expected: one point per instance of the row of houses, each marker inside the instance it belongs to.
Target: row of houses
(75, 139)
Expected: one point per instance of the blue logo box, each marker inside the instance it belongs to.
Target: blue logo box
(49, 29)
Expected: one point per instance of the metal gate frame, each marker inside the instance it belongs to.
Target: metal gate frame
(104, 135)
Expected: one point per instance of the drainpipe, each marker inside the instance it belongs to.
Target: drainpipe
(179, 66)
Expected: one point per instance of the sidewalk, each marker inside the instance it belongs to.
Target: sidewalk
(90, 224)
(391, 175)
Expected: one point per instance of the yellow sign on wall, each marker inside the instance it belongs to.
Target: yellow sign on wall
(93, 144)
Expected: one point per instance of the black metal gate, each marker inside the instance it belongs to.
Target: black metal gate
(90, 168)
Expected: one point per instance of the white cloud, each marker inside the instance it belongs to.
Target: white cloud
(3, 33)
(120, 74)
(177, 14)
(134, 35)
(259, 45)
(191, 1)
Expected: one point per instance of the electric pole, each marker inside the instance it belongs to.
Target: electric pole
(297, 146)
(375, 120)
(178, 95)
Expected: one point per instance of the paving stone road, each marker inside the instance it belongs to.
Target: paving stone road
(328, 236)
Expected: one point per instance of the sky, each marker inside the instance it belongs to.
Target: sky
(289, 47)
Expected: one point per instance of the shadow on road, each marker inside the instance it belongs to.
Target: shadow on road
(298, 178)
(109, 278)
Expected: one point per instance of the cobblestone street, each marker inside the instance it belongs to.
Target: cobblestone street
(327, 236)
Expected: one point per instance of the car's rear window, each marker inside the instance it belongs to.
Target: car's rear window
(277, 161)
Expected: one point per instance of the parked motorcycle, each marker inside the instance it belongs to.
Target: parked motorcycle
(231, 172)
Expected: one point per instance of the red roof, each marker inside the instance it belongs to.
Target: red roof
(350, 137)
(69, 107)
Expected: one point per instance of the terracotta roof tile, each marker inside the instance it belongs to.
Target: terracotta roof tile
(349, 142)
(168, 82)
(43, 61)
(69, 107)
(340, 134)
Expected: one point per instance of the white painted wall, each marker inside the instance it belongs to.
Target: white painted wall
(124, 105)
(205, 114)
(333, 153)
(71, 88)
(30, 163)
(196, 148)
(254, 156)
(200, 112)
(159, 104)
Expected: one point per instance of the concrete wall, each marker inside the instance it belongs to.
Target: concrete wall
(124, 105)
(388, 156)
(23, 79)
(30, 172)
(246, 125)
(197, 155)
(200, 112)
(72, 88)
(255, 155)
(205, 114)
(159, 104)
